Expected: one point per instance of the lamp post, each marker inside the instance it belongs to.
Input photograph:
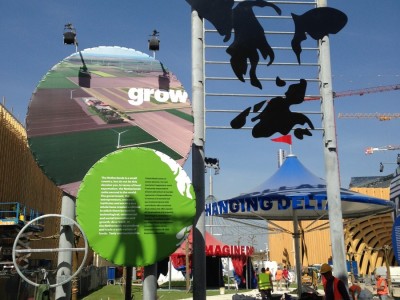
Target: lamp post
(65, 263)
(211, 163)
(381, 164)
(154, 42)
(70, 36)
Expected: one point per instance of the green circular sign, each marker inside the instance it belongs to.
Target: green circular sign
(136, 206)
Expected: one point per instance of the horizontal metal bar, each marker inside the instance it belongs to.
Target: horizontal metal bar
(261, 79)
(214, 62)
(254, 95)
(286, 2)
(275, 48)
(241, 95)
(228, 127)
(49, 250)
(253, 112)
(274, 17)
(265, 32)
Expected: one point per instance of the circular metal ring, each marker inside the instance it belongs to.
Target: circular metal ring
(48, 250)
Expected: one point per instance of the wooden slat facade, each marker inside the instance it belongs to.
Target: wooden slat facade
(21, 180)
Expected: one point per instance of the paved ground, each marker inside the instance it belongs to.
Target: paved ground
(252, 293)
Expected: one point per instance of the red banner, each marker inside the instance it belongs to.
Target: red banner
(283, 139)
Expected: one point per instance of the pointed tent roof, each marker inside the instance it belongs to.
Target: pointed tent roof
(210, 240)
(214, 247)
(294, 188)
(292, 175)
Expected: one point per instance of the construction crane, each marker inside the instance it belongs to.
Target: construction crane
(379, 116)
(360, 92)
(371, 150)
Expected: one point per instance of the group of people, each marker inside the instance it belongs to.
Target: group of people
(334, 288)
(283, 276)
(265, 281)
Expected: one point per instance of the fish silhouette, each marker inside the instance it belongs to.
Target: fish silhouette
(217, 12)
(317, 22)
(249, 39)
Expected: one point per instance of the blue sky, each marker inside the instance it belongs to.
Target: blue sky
(364, 54)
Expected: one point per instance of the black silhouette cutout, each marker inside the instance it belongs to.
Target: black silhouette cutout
(249, 39)
(277, 117)
(217, 12)
(317, 22)
(240, 120)
(249, 34)
(258, 106)
(279, 82)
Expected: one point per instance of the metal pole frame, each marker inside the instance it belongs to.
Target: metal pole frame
(199, 255)
(331, 160)
(64, 262)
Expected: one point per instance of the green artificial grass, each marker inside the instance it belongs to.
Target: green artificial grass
(116, 292)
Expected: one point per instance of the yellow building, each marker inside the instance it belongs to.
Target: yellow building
(23, 182)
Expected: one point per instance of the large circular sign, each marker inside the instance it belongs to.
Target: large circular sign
(102, 99)
(136, 206)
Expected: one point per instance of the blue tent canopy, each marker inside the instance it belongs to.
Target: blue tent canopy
(293, 188)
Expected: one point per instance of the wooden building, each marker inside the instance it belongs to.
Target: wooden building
(23, 185)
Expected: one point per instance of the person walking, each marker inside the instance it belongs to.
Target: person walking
(286, 277)
(265, 285)
(334, 288)
(381, 287)
(279, 278)
(314, 278)
(355, 290)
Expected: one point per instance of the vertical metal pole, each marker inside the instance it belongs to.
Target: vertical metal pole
(298, 263)
(64, 262)
(187, 264)
(247, 272)
(199, 255)
(128, 283)
(149, 282)
(169, 273)
(212, 201)
(331, 160)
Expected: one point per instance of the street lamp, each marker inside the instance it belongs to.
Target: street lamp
(154, 42)
(212, 163)
(70, 35)
(70, 39)
(381, 164)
